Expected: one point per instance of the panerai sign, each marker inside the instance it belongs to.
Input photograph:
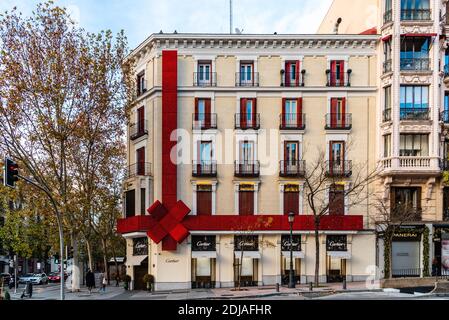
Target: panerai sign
(246, 243)
(295, 244)
(203, 243)
(337, 243)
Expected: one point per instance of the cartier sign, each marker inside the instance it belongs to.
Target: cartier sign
(246, 243)
(204, 243)
(140, 247)
(295, 244)
(337, 243)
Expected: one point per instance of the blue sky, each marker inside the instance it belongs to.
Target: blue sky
(140, 18)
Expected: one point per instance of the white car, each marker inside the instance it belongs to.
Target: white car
(37, 278)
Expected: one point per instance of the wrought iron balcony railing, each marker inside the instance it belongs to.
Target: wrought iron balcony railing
(204, 169)
(292, 168)
(415, 64)
(414, 114)
(204, 121)
(339, 168)
(388, 16)
(338, 79)
(415, 14)
(444, 116)
(292, 121)
(139, 169)
(137, 130)
(338, 121)
(244, 79)
(247, 121)
(202, 79)
(247, 168)
(387, 66)
(291, 79)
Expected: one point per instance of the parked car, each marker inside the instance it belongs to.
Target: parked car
(6, 277)
(37, 278)
(56, 277)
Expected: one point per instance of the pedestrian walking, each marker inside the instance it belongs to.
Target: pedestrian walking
(117, 280)
(104, 283)
(435, 267)
(90, 280)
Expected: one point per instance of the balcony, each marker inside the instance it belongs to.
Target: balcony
(388, 16)
(137, 130)
(387, 66)
(418, 114)
(409, 165)
(386, 115)
(292, 121)
(247, 169)
(201, 79)
(204, 121)
(415, 64)
(444, 117)
(247, 121)
(292, 168)
(338, 121)
(138, 169)
(290, 79)
(247, 79)
(204, 169)
(415, 14)
(339, 168)
(336, 79)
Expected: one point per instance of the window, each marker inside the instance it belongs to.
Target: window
(130, 208)
(291, 151)
(336, 155)
(247, 151)
(415, 53)
(415, 9)
(141, 85)
(337, 200)
(292, 113)
(292, 73)
(141, 120)
(387, 56)
(203, 116)
(291, 199)
(248, 118)
(414, 145)
(406, 198)
(140, 155)
(387, 146)
(414, 102)
(388, 16)
(387, 104)
(204, 200)
(338, 113)
(204, 72)
(337, 73)
(246, 73)
(246, 200)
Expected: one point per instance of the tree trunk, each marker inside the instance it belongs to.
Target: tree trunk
(75, 267)
(105, 260)
(89, 255)
(317, 253)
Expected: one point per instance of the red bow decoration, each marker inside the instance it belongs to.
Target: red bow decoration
(166, 226)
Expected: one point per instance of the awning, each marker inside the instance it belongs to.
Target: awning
(386, 38)
(339, 254)
(419, 34)
(135, 260)
(296, 254)
(247, 254)
(204, 254)
(119, 259)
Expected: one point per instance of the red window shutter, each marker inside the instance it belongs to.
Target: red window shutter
(291, 202)
(287, 75)
(334, 111)
(299, 112)
(254, 110)
(204, 203)
(141, 161)
(141, 119)
(343, 112)
(207, 116)
(336, 201)
(284, 100)
(196, 109)
(298, 72)
(342, 73)
(198, 157)
(243, 113)
(333, 72)
(246, 203)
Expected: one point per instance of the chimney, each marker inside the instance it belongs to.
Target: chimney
(337, 24)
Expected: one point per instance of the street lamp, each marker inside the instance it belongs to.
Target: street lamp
(291, 282)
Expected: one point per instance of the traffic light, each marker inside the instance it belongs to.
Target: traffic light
(11, 173)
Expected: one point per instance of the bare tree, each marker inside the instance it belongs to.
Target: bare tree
(320, 176)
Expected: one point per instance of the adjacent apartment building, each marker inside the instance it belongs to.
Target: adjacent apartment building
(413, 118)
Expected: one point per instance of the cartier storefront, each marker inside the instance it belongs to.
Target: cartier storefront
(204, 259)
(295, 245)
(246, 260)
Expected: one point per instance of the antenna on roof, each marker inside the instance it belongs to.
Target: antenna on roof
(230, 17)
(238, 31)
